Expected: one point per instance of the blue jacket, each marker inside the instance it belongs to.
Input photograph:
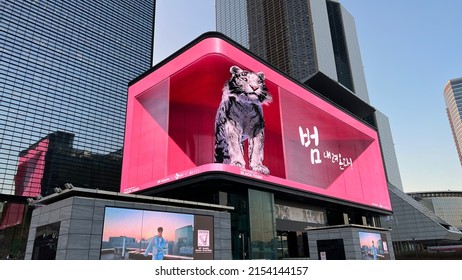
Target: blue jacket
(156, 247)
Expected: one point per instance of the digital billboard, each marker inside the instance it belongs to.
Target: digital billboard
(374, 246)
(215, 108)
(133, 234)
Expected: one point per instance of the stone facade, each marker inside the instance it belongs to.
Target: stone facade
(81, 225)
(349, 235)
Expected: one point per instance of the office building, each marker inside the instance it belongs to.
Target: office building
(453, 98)
(445, 204)
(388, 150)
(64, 67)
(232, 20)
(418, 230)
(299, 37)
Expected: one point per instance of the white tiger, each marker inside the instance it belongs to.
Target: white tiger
(239, 118)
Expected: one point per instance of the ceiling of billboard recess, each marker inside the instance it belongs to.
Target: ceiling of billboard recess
(169, 135)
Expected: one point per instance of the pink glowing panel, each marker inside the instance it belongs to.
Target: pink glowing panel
(13, 214)
(28, 178)
(310, 145)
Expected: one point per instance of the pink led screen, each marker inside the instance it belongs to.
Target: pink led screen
(309, 144)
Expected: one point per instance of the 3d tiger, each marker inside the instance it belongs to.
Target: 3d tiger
(239, 118)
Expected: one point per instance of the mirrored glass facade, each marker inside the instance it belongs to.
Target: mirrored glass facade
(298, 37)
(233, 22)
(65, 67)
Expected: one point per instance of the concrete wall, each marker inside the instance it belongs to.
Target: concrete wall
(82, 226)
(350, 237)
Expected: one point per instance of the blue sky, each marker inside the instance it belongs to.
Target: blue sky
(410, 49)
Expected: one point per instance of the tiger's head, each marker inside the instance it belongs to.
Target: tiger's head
(248, 86)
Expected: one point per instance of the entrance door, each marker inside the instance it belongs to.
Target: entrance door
(292, 245)
(331, 249)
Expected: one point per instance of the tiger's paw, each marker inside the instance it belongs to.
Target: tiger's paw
(261, 169)
(238, 164)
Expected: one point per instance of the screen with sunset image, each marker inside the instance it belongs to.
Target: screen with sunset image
(131, 234)
(374, 246)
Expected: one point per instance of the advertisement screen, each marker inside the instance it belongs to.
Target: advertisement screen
(215, 108)
(374, 246)
(132, 234)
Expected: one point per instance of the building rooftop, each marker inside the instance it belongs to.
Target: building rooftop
(447, 193)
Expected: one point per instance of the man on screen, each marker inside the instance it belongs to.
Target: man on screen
(374, 251)
(156, 246)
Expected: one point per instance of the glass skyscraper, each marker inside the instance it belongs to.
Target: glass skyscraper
(64, 71)
(231, 19)
(453, 98)
(298, 37)
(65, 66)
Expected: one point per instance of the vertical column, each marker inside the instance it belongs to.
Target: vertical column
(262, 225)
